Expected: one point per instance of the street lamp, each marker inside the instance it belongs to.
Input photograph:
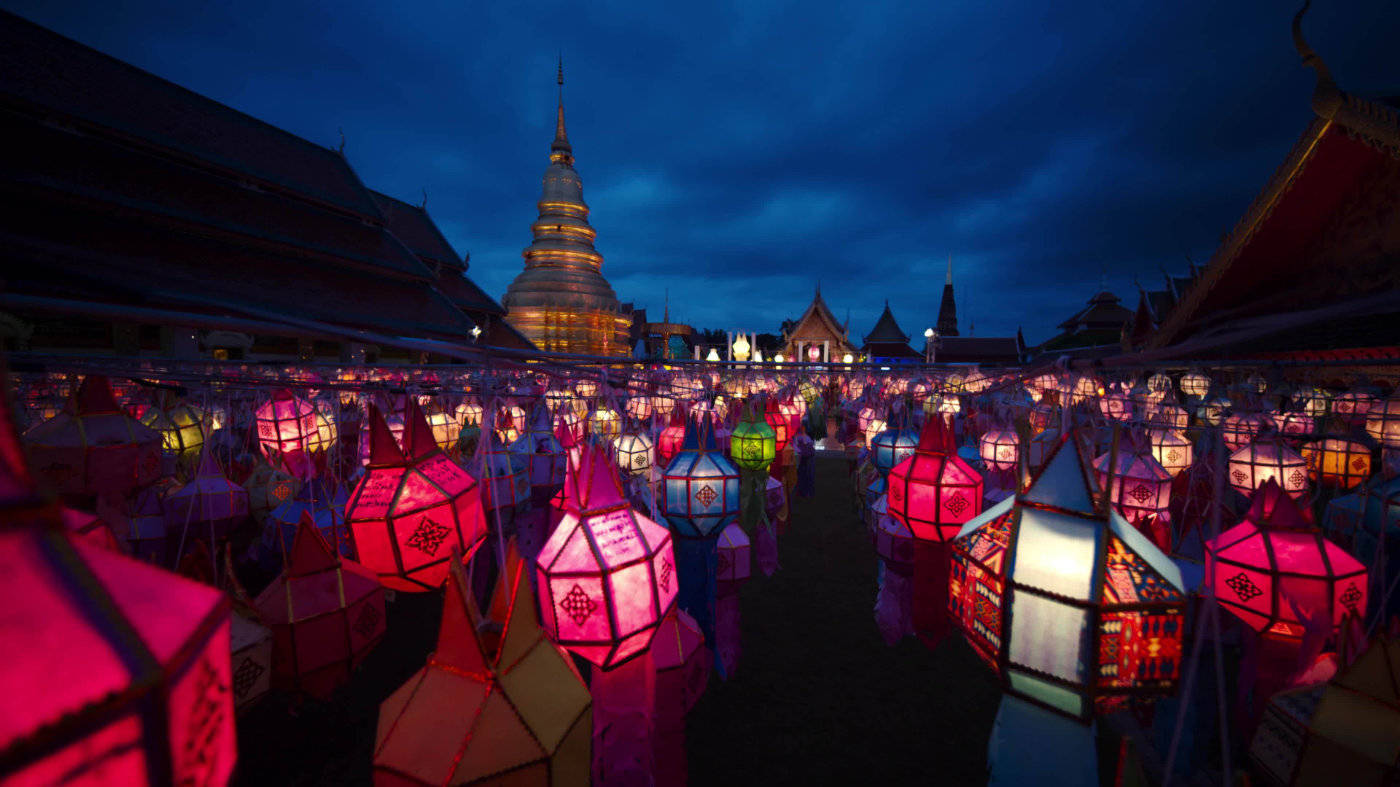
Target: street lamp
(930, 338)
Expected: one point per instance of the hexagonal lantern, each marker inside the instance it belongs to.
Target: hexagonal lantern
(1338, 461)
(607, 575)
(1141, 487)
(892, 446)
(1251, 466)
(753, 444)
(934, 491)
(1274, 560)
(285, 423)
(1171, 449)
(702, 487)
(1000, 449)
(1071, 605)
(92, 447)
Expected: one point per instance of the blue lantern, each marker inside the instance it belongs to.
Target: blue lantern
(702, 487)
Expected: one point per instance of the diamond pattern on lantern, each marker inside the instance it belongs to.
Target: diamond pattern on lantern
(1350, 597)
(751, 450)
(1240, 476)
(1140, 493)
(1173, 455)
(640, 460)
(956, 504)
(1297, 479)
(578, 605)
(366, 621)
(245, 676)
(1359, 463)
(706, 495)
(665, 579)
(427, 537)
(1243, 586)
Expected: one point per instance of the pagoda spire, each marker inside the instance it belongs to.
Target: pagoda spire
(560, 149)
(947, 309)
(948, 282)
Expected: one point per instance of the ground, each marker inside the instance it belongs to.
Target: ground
(818, 697)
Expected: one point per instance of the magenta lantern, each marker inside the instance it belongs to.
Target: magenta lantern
(285, 424)
(934, 491)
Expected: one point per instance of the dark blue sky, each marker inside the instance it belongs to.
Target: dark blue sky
(737, 152)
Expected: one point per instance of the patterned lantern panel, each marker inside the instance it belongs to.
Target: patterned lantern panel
(891, 447)
(753, 444)
(1274, 565)
(285, 423)
(1353, 407)
(326, 614)
(1338, 462)
(505, 483)
(181, 429)
(1172, 450)
(1195, 384)
(321, 501)
(1169, 416)
(607, 574)
(210, 503)
(544, 457)
(409, 510)
(1116, 407)
(1383, 423)
(1250, 467)
(1239, 430)
(93, 447)
(1000, 449)
(1141, 487)
(701, 491)
(934, 491)
(634, 452)
(604, 424)
(1023, 589)
(781, 424)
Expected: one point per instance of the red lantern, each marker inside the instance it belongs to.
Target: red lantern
(781, 423)
(412, 506)
(935, 491)
(326, 615)
(1275, 560)
(93, 447)
(607, 575)
(285, 424)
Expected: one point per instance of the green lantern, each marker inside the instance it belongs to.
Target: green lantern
(753, 444)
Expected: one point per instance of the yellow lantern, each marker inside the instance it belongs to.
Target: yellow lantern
(1171, 449)
(1337, 461)
(604, 423)
(1195, 384)
(181, 428)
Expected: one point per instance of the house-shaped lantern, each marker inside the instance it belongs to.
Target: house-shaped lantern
(93, 447)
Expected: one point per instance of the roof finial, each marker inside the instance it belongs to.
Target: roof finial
(341, 149)
(666, 315)
(560, 150)
(950, 269)
(1310, 58)
(424, 204)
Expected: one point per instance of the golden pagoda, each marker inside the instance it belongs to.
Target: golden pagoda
(561, 301)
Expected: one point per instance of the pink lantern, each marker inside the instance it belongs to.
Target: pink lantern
(682, 670)
(1116, 407)
(1383, 422)
(1169, 416)
(1353, 407)
(1000, 449)
(733, 566)
(1141, 487)
(93, 447)
(1274, 564)
(412, 506)
(1250, 467)
(1239, 430)
(208, 501)
(326, 615)
(285, 423)
(934, 491)
(607, 575)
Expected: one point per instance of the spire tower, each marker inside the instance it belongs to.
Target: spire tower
(948, 310)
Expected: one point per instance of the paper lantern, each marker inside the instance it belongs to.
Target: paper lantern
(1295, 425)
(1000, 449)
(469, 413)
(1353, 407)
(1239, 430)
(607, 574)
(894, 541)
(1141, 487)
(115, 672)
(250, 643)
(586, 389)
(1168, 416)
(543, 455)
(412, 506)
(144, 514)
(1274, 560)
(496, 703)
(504, 483)
(1338, 462)
(181, 429)
(782, 425)
(93, 447)
(634, 452)
(701, 487)
(1171, 449)
(753, 444)
(1314, 402)
(1383, 422)
(892, 446)
(445, 428)
(570, 423)
(604, 424)
(1261, 461)
(1212, 409)
(639, 408)
(209, 503)
(934, 491)
(326, 615)
(326, 436)
(1116, 407)
(734, 562)
(325, 504)
(285, 423)
(1195, 384)
(682, 666)
(1071, 605)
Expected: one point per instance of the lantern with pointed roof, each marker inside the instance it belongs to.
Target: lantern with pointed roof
(93, 447)
(607, 574)
(504, 482)
(326, 615)
(701, 485)
(1074, 608)
(115, 671)
(1140, 488)
(319, 499)
(496, 703)
(1275, 564)
(1268, 459)
(934, 491)
(208, 503)
(544, 456)
(753, 444)
(412, 506)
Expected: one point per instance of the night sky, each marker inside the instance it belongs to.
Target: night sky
(737, 152)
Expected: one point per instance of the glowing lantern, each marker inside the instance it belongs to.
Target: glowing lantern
(587, 389)
(570, 423)
(702, 487)
(634, 452)
(556, 399)
(639, 408)
(209, 500)
(269, 488)
(1071, 605)
(1337, 461)
(116, 672)
(1169, 416)
(92, 447)
(892, 446)
(1141, 487)
(1312, 401)
(1250, 467)
(445, 428)
(504, 482)
(326, 614)
(1353, 407)
(1239, 430)
(782, 424)
(1086, 389)
(1274, 561)
(604, 424)
(1212, 409)
(814, 353)
(285, 423)
(1295, 425)
(497, 701)
(1160, 383)
(668, 443)
(412, 506)
(469, 413)
(1000, 449)
(753, 444)
(181, 429)
(543, 455)
(1116, 406)
(1383, 423)
(1195, 384)
(326, 434)
(325, 505)
(1171, 449)
(934, 491)
(607, 574)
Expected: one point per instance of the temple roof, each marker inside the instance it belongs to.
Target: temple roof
(1104, 312)
(818, 322)
(412, 225)
(128, 190)
(886, 330)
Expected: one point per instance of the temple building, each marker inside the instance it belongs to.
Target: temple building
(561, 301)
(1094, 331)
(146, 220)
(886, 343)
(1312, 270)
(946, 346)
(947, 309)
(817, 337)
